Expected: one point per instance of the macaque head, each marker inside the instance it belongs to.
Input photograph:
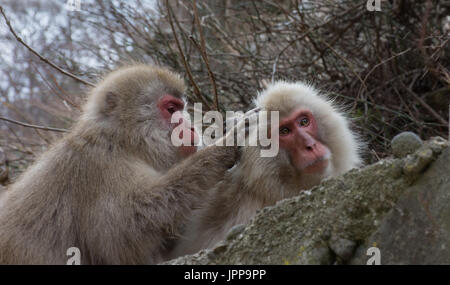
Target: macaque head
(137, 106)
(174, 116)
(299, 137)
(315, 141)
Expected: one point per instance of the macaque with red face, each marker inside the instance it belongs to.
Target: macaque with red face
(115, 187)
(170, 106)
(298, 136)
(315, 143)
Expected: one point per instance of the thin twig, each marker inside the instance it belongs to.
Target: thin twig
(26, 118)
(349, 64)
(305, 34)
(274, 68)
(211, 75)
(33, 126)
(186, 65)
(381, 63)
(66, 96)
(205, 56)
(425, 105)
(19, 39)
(49, 85)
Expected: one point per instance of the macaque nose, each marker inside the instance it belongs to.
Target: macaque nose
(308, 141)
(310, 144)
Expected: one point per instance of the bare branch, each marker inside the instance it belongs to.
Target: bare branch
(205, 56)
(186, 65)
(33, 126)
(425, 105)
(19, 39)
(381, 63)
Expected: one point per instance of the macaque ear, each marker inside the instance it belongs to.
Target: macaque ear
(111, 102)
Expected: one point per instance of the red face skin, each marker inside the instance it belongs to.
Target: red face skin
(298, 135)
(167, 106)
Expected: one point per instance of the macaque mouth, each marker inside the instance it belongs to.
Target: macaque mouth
(190, 147)
(318, 164)
(320, 159)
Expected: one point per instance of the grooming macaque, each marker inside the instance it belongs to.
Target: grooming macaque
(315, 142)
(115, 187)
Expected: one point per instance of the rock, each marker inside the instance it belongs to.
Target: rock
(417, 230)
(322, 256)
(343, 248)
(221, 247)
(405, 143)
(405, 214)
(415, 164)
(235, 231)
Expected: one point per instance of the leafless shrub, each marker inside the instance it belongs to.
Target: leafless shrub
(390, 68)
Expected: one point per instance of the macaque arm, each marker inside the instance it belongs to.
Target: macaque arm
(168, 200)
(201, 170)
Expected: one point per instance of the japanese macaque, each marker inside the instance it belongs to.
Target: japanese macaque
(315, 142)
(115, 187)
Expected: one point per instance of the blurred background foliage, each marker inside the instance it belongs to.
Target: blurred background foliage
(389, 68)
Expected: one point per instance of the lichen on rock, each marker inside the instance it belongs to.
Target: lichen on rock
(405, 143)
(401, 205)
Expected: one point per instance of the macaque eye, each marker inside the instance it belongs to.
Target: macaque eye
(304, 122)
(171, 109)
(284, 131)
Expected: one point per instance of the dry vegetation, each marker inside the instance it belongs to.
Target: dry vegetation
(389, 68)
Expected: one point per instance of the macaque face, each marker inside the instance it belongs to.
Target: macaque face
(169, 106)
(299, 137)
